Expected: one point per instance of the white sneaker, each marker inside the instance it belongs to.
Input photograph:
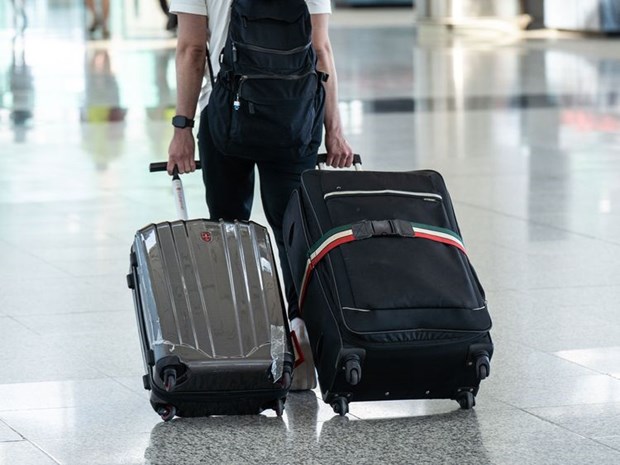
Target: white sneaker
(304, 376)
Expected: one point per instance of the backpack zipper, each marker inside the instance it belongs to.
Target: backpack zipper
(257, 48)
(245, 77)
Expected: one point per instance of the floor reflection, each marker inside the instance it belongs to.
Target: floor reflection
(308, 434)
(102, 97)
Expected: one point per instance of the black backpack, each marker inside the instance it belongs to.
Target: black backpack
(268, 100)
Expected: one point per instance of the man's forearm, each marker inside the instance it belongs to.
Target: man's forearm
(326, 64)
(190, 66)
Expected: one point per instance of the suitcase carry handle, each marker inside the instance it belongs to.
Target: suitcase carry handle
(321, 159)
(163, 166)
(177, 187)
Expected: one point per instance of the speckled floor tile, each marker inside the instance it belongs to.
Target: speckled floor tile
(542, 392)
(24, 453)
(61, 394)
(60, 296)
(605, 360)
(33, 360)
(8, 434)
(113, 353)
(104, 414)
(126, 449)
(610, 441)
(590, 421)
(417, 408)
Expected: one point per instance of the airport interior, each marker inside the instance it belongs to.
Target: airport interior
(515, 103)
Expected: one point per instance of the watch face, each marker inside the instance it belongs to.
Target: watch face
(182, 122)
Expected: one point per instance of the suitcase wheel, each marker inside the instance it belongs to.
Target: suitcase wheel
(353, 371)
(131, 284)
(279, 407)
(483, 366)
(341, 406)
(170, 379)
(167, 412)
(466, 400)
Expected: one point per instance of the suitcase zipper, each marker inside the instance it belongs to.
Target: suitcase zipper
(393, 331)
(368, 310)
(426, 342)
(428, 196)
(213, 395)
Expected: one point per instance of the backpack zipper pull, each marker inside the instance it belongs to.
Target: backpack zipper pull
(236, 103)
(234, 52)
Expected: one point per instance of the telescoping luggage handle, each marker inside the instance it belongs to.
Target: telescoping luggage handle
(177, 187)
(321, 160)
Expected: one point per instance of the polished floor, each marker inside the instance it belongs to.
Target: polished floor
(526, 131)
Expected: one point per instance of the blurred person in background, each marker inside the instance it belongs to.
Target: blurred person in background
(99, 20)
(19, 11)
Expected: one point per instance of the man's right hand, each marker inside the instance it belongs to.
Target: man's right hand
(181, 151)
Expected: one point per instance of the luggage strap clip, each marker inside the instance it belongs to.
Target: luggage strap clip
(366, 229)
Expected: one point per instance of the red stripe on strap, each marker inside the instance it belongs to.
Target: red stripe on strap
(443, 240)
(317, 259)
(331, 246)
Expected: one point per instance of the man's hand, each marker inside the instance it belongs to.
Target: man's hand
(181, 151)
(339, 152)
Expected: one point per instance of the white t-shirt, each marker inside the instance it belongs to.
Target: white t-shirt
(218, 12)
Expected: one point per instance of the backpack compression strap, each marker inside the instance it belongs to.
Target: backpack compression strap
(367, 229)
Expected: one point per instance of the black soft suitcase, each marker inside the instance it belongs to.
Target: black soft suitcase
(393, 307)
(211, 317)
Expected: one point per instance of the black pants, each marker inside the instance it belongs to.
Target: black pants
(229, 184)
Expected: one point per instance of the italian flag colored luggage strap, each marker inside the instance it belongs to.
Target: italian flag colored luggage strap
(335, 237)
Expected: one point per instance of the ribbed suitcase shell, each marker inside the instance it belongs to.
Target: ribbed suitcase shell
(209, 306)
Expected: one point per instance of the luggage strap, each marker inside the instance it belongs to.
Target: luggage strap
(366, 229)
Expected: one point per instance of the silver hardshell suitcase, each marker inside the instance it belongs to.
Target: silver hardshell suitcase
(211, 318)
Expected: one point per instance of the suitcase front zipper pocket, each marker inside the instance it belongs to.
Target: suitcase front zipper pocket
(410, 276)
(352, 205)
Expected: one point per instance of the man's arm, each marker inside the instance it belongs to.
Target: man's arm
(190, 66)
(339, 153)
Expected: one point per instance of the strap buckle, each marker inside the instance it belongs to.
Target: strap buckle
(368, 228)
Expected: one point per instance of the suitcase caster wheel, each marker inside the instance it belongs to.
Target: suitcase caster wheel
(483, 367)
(279, 407)
(341, 406)
(353, 371)
(466, 400)
(167, 412)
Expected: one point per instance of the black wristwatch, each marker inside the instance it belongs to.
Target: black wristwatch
(181, 122)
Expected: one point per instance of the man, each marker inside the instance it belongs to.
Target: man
(229, 181)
